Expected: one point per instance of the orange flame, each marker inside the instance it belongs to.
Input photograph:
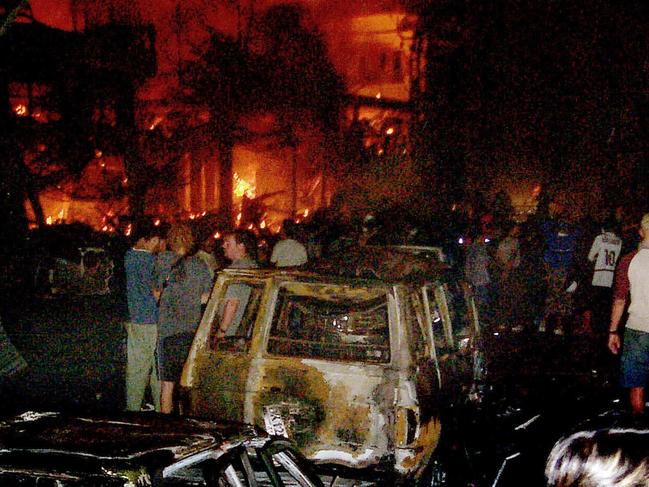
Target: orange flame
(243, 187)
(21, 110)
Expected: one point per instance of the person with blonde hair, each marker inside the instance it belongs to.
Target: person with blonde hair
(632, 283)
(185, 283)
(600, 458)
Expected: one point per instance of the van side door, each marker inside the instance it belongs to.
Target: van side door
(217, 368)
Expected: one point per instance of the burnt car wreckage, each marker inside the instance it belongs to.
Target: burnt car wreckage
(353, 361)
(72, 260)
(144, 449)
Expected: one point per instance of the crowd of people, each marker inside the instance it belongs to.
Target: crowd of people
(551, 275)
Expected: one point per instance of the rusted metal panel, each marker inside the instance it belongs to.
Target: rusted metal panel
(144, 449)
(219, 391)
(335, 413)
(127, 448)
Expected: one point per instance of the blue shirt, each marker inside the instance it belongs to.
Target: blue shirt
(140, 268)
(560, 244)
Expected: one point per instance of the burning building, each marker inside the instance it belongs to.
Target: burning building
(177, 138)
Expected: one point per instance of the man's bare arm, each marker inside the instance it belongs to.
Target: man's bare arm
(229, 310)
(617, 311)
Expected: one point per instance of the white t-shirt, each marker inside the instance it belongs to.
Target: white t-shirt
(606, 247)
(288, 253)
(639, 287)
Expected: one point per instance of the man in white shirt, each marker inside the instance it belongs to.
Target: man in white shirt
(288, 252)
(604, 252)
(632, 284)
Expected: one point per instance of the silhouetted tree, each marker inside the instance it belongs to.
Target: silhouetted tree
(282, 69)
(225, 80)
(300, 73)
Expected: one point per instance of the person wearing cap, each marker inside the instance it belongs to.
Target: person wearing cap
(632, 284)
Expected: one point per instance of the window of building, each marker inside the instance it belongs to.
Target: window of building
(33, 100)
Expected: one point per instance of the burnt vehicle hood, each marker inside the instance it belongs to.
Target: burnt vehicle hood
(101, 445)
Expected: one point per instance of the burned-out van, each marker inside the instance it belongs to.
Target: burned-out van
(356, 371)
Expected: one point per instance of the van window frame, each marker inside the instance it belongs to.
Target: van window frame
(272, 316)
(439, 292)
(238, 343)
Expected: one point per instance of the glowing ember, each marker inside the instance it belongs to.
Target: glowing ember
(155, 123)
(129, 229)
(378, 96)
(48, 220)
(98, 153)
(21, 110)
(243, 187)
(389, 131)
(262, 225)
(156, 222)
(239, 217)
(217, 235)
(306, 213)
